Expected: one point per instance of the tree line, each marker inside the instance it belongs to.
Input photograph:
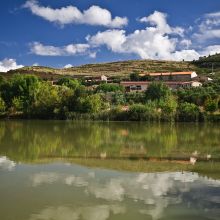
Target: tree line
(27, 96)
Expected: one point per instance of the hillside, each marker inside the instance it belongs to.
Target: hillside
(209, 63)
(124, 68)
(119, 69)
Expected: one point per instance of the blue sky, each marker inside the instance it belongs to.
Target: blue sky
(71, 32)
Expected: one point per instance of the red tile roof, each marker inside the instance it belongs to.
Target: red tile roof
(132, 83)
(166, 74)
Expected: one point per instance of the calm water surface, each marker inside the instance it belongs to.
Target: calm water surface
(34, 190)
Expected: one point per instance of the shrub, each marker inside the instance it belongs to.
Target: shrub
(134, 97)
(17, 104)
(2, 105)
(90, 104)
(168, 108)
(107, 87)
(211, 105)
(147, 112)
(188, 112)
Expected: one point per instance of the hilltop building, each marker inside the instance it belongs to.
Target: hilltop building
(143, 85)
(97, 79)
(171, 76)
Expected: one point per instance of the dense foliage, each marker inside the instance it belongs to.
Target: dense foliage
(30, 97)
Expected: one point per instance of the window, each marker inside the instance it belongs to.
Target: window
(138, 87)
(133, 87)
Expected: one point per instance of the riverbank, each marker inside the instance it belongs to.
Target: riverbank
(112, 115)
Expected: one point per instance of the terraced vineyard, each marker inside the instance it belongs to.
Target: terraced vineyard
(124, 68)
(119, 69)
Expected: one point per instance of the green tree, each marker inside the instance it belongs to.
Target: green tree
(63, 107)
(68, 82)
(74, 101)
(198, 96)
(47, 100)
(25, 88)
(118, 98)
(134, 77)
(168, 107)
(91, 104)
(157, 91)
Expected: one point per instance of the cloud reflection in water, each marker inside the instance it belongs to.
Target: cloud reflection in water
(156, 191)
(6, 164)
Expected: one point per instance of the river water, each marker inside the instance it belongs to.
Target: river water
(46, 174)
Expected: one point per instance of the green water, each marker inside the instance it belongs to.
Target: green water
(33, 140)
(41, 180)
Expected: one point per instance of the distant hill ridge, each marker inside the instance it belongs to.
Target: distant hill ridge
(124, 68)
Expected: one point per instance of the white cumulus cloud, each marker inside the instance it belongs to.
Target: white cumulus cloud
(9, 64)
(95, 15)
(157, 41)
(68, 50)
(113, 39)
(159, 19)
(211, 50)
(68, 66)
(35, 64)
(208, 27)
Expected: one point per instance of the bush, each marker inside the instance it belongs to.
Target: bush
(147, 112)
(17, 104)
(168, 108)
(134, 97)
(197, 96)
(46, 102)
(91, 104)
(188, 112)
(115, 114)
(211, 105)
(107, 87)
(137, 112)
(2, 105)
